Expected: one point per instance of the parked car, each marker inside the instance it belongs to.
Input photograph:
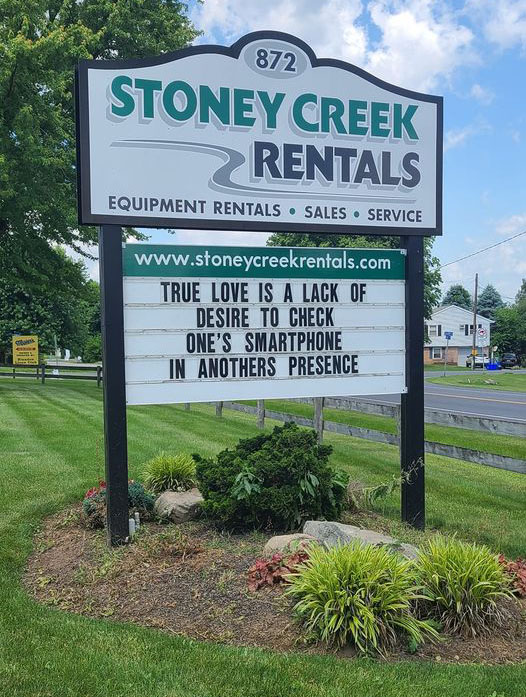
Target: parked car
(480, 361)
(508, 360)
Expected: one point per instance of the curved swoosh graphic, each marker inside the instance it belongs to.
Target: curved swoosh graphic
(221, 179)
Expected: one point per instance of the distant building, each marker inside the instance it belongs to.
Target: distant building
(452, 318)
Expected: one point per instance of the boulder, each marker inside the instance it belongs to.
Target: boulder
(286, 543)
(330, 534)
(178, 506)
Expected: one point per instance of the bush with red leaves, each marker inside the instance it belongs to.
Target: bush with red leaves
(95, 489)
(268, 572)
(516, 570)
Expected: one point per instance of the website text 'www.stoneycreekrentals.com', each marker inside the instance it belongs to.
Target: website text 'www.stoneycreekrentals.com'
(291, 260)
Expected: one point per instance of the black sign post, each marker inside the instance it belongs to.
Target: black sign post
(115, 436)
(412, 403)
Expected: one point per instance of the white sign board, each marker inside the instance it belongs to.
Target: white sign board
(259, 136)
(224, 323)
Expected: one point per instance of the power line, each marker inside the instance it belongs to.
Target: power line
(484, 250)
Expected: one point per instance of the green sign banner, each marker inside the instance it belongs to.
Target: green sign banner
(159, 260)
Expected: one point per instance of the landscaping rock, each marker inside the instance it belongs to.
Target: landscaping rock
(178, 506)
(331, 533)
(286, 543)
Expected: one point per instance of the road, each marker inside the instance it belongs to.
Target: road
(466, 400)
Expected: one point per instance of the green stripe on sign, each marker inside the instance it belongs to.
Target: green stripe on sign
(262, 262)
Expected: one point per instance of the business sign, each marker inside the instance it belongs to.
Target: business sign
(259, 136)
(25, 350)
(223, 323)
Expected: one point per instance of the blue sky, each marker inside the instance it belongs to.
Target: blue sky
(473, 52)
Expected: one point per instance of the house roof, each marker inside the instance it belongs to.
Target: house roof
(467, 313)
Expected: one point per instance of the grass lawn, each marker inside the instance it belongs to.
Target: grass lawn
(489, 380)
(510, 446)
(52, 451)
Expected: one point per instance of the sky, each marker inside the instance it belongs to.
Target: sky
(473, 53)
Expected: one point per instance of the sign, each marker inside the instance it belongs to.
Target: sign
(224, 323)
(259, 136)
(25, 350)
(448, 335)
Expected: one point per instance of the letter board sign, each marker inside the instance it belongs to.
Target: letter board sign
(223, 323)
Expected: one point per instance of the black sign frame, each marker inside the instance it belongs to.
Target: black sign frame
(86, 217)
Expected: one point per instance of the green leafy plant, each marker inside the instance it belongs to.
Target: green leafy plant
(174, 472)
(94, 503)
(358, 594)
(361, 497)
(269, 572)
(516, 570)
(463, 586)
(245, 484)
(274, 480)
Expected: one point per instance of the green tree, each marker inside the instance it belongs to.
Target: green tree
(505, 332)
(432, 276)
(40, 44)
(489, 302)
(458, 295)
(62, 310)
(521, 293)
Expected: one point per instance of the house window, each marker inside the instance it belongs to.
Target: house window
(466, 329)
(433, 330)
(437, 352)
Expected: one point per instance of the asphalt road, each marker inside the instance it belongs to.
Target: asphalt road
(467, 400)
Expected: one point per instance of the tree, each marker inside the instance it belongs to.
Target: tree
(489, 302)
(40, 44)
(66, 310)
(505, 332)
(521, 293)
(458, 295)
(432, 276)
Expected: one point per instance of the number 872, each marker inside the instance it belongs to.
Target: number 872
(276, 60)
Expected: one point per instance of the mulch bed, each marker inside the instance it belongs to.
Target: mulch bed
(191, 580)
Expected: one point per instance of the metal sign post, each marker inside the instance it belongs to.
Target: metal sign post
(449, 336)
(412, 402)
(115, 435)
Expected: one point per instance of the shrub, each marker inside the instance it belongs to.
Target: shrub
(93, 349)
(274, 480)
(268, 572)
(516, 570)
(175, 472)
(358, 594)
(94, 503)
(463, 586)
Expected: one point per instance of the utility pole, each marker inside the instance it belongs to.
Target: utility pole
(474, 349)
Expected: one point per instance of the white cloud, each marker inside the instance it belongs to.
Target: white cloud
(458, 136)
(503, 21)
(512, 225)
(419, 43)
(482, 94)
(331, 26)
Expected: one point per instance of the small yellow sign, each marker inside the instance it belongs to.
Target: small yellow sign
(474, 352)
(25, 350)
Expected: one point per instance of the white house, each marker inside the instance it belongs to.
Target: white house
(452, 318)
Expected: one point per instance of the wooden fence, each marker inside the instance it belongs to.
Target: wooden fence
(320, 425)
(46, 371)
